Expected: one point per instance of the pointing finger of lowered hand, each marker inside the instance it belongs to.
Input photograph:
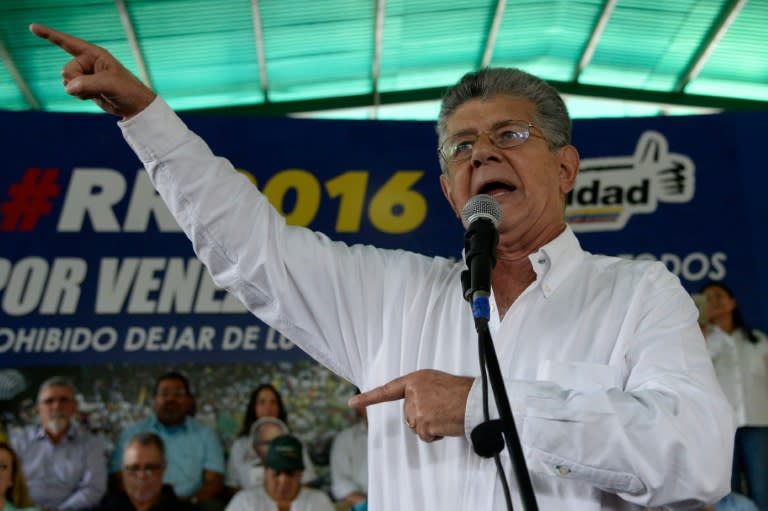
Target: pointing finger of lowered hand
(391, 391)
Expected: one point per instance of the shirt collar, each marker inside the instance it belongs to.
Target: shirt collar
(39, 432)
(159, 426)
(71, 433)
(556, 260)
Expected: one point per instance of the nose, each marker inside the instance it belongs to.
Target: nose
(57, 403)
(484, 150)
(282, 480)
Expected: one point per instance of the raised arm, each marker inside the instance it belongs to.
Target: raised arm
(93, 73)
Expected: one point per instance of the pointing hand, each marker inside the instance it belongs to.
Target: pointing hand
(95, 74)
(434, 402)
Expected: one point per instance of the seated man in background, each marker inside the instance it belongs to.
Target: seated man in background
(195, 459)
(245, 466)
(143, 470)
(265, 417)
(65, 466)
(349, 462)
(282, 483)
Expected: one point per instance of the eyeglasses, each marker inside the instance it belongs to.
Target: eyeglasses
(147, 470)
(49, 401)
(504, 135)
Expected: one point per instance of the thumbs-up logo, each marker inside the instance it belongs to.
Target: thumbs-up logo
(608, 191)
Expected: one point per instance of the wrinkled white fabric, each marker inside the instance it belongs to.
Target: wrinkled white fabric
(742, 369)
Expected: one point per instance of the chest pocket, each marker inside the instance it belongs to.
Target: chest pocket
(581, 376)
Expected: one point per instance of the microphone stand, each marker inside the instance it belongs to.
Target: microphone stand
(505, 413)
(504, 426)
(481, 214)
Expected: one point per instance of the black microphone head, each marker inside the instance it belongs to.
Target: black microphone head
(481, 206)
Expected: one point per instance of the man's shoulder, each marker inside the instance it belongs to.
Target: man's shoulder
(140, 426)
(313, 495)
(634, 269)
(197, 428)
(21, 437)
(84, 436)
(568, 256)
(248, 499)
(115, 501)
(169, 501)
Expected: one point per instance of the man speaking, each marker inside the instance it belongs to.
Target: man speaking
(614, 397)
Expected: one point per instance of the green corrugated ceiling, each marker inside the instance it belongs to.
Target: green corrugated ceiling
(286, 56)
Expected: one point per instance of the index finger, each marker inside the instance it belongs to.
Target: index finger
(69, 43)
(391, 391)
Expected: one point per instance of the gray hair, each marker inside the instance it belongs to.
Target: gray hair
(148, 439)
(57, 381)
(551, 115)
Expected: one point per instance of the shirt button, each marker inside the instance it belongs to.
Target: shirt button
(547, 289)
(563, 471)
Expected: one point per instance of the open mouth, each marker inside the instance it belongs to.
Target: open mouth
(496, 187)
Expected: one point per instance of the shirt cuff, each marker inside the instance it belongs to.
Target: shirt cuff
(473, 414)
(154, 132)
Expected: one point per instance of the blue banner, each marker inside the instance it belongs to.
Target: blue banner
(93, 269)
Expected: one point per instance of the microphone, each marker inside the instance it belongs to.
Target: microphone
(481, 214)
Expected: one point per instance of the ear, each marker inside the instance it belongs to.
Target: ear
(445, 185)
(569, 167)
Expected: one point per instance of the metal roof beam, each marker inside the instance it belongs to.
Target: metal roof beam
(378, 36)
(133, 41)
(597, 32)
(667, 98)
(435, 93)
(493, 32)
(708, 45)
(32, 101)
(258, 35)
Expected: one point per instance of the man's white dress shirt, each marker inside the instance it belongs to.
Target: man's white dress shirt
(612, 389)
(256, 499)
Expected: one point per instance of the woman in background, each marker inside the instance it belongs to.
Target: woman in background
(13, 488)
(265, 401)
(740, 357)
